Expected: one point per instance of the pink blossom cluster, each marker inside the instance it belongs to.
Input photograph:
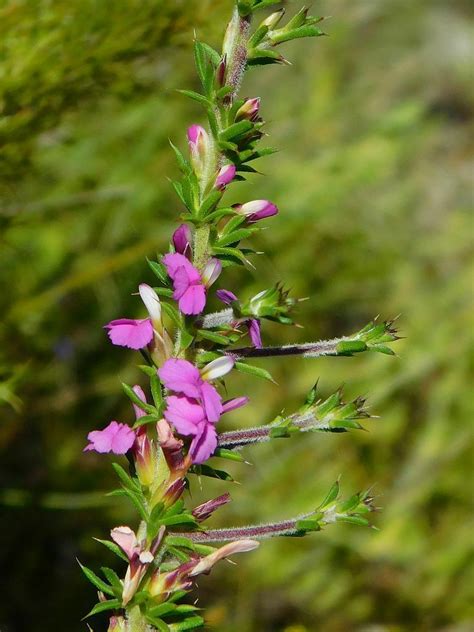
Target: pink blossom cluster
(193, 405)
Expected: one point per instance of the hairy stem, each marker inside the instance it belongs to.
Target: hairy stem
(260, 531)
(308, 349)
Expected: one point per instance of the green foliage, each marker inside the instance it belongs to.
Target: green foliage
(373, 188)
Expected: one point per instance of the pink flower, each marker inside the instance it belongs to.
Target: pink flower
(137, 334)
(225, 176)
(117, 438)
(256, 210)
(189, 287)
(189, 418)
(126, 332)
(198, 406)
(182, 240)
(184, 378)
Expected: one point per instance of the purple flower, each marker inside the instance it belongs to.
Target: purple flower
(226, 296)
(117, 438)
(182, 240)
(253, 324)
(256, 210)
(225, 176)
(254, 333)
(249, 110)
(189, 286)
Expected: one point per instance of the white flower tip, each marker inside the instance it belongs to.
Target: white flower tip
(146, 557)
(217, 368)
(152, 302)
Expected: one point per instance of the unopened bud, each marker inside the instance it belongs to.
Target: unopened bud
(225, 176)
(211, 271)
(182, 240)
(256, 210)
(249, 110)
(199, 147)
(272, 20)
(221, 72)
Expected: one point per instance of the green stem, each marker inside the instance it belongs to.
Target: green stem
(201, 246)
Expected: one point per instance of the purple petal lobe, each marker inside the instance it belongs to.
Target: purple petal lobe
(232, 404)
(254, 332)
(226, 296)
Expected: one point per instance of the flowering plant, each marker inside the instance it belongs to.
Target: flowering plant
(188, 353)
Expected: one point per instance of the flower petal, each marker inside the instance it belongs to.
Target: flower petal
(212, 402)
(185, 414)
(233, 404)
(204, 444)
(181, 376)
(152, 303)
(193, 300)
(134, 334)
(226, 296)
(217, 368)
(176, 260)
(254, 333)
(116, 438)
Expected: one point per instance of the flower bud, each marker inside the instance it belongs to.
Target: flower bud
(152, 303)
(182, 240)
(206, 563)
(203, 511)
(199, 147)
(225, 176)
(217, 368)
(221, 72)
(144, 455)
(211, 271)
(272, 20)
(256, 210)
(249, 110)
(117, 624)
(274, 303)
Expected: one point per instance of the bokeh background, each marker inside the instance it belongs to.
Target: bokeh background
(374, 184)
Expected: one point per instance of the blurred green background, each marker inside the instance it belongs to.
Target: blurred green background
(374, 184)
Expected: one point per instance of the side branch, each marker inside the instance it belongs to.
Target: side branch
(308, 349)
(261, 531)
(373, 337)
